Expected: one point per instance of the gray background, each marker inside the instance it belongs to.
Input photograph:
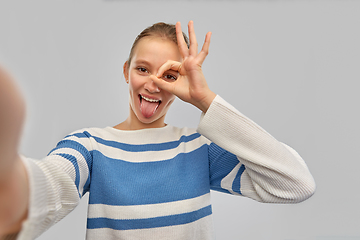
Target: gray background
(291, 66)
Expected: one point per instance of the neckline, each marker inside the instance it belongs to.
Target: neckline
(138, 130)
(143, 136)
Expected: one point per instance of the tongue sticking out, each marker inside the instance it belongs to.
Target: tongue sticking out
(148, 108)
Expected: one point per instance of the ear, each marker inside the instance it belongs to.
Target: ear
(126, 71)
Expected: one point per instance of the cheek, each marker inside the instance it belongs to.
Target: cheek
(170, 99)
(134, 83)
(133, 93)
(169, 96)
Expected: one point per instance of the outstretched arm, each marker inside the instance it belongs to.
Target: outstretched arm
(14, 190)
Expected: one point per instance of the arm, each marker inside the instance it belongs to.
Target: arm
(13, 179)
(34, 194)
(269, 170)
(57, 183)
(247, 160)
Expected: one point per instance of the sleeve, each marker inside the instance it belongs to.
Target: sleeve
(57, 183)
(246, 160)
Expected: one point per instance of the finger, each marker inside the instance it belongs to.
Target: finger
(205, 49)
(168, 65)
(183, 48)
(164, 85)
(193, 43)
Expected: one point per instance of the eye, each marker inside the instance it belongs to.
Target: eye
(142, 70)
(169, 77)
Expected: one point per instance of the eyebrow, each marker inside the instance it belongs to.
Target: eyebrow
(142, 61)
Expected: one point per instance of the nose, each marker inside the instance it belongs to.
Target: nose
(151, 87)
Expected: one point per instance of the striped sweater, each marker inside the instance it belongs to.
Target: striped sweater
(155, 183)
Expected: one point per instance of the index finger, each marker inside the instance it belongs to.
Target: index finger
(168, 65)
(183, 48)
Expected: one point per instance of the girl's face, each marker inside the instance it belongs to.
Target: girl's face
(148, 103)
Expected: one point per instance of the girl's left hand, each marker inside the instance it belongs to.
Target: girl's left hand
(191, 84)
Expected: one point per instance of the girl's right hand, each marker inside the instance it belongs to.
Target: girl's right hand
(191, 85)
(14, 189)
(12, 114)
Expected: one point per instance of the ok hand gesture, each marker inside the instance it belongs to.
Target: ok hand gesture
(191, 84)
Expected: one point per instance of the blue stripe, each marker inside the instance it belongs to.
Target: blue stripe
(84, 134)
(118, 182)
(142, 147)
(83, 151)
(76, 146)
(236, 182)
(86, 186)
(156, 222)
(73, 160)
(221, 163)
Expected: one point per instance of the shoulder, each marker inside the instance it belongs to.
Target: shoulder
(184, 131)
(81, 138)
(89, 132)
(190, 134)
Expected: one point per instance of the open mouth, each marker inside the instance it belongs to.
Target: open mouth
(148, 106)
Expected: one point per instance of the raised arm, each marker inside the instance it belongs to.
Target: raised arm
(14, 190)
(261, 167)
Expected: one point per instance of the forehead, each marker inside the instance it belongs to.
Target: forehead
(156, 50)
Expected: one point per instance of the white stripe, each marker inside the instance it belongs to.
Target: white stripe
(199, 230)
(65, 164)
(227, 181)
(150, 210)
(149, 156)
(247, 188)
(142, 136)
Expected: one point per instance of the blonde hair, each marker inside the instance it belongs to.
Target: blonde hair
(162, 30)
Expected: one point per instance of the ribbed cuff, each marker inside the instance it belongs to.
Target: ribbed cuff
(37, 201)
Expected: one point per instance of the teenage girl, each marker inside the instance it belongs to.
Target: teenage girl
(147, 179)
